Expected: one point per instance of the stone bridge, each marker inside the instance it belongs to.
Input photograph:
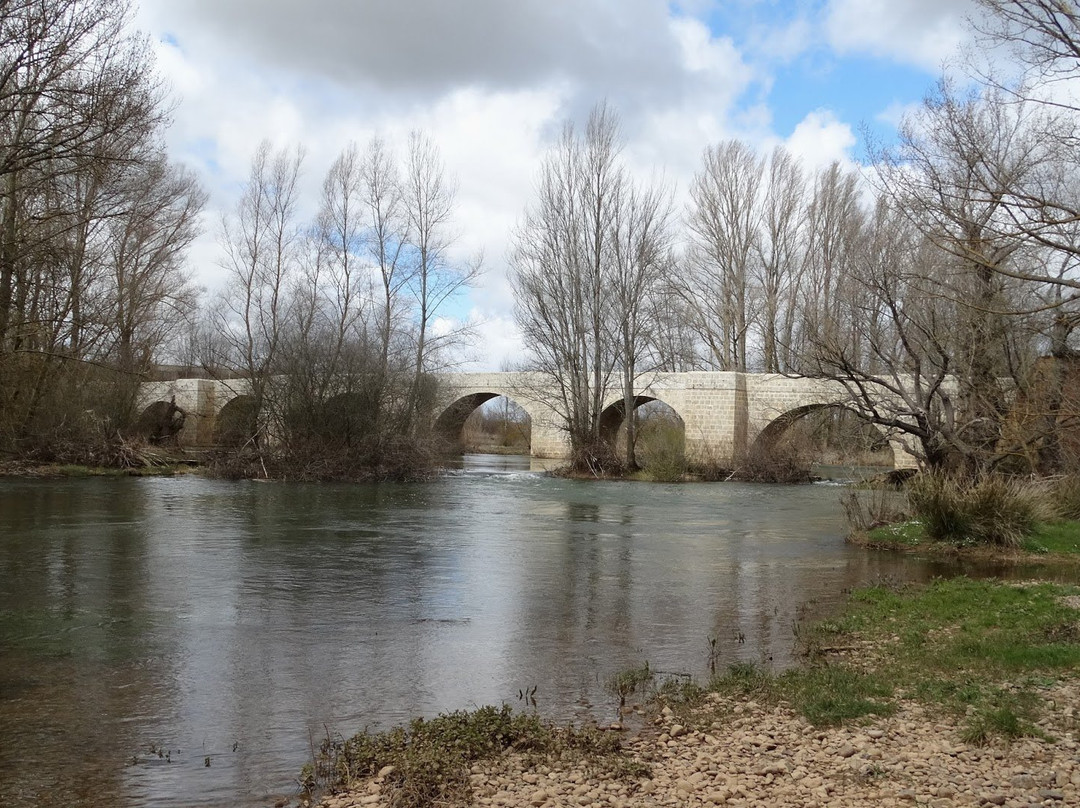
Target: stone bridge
(723, 413)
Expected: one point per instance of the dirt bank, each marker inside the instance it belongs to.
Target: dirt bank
(744, 754)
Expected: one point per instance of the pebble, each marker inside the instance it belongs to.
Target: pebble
(744, 754)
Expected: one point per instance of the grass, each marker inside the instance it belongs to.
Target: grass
(897, 535)
(74, 471)
(1057, 538)
(989, 510)
(999, 514)
(430, 760)
(826, 695)
(627, 682)
(981, 650)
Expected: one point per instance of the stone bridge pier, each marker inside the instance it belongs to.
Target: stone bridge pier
(723, 413)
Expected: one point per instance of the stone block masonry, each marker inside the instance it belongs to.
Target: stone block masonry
(724, 413)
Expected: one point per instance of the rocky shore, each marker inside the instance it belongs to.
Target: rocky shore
(958, 692)
(740, 753)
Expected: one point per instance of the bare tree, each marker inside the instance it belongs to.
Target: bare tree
(434, 277)
(585, 260)
(724, 223)
(938, 313)
(387, 235)
(342, 239)
(261, 240)
(557, 273)
(74, 93)
(778, 268)
(833, 230)
(641, 240)
(93, 221)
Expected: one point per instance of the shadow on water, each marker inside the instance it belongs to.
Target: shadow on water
(236, 622)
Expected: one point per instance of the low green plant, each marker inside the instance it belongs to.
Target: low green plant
(952, 643)
(897, 535)
(1008, 715)
(830, 695)
(1061, 537)
(826, 695)
(680, 691)
(627, 682)
(431, 758)
(745, 679)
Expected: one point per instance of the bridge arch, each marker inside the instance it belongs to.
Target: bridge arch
(774, 431)
(613, 417)
(236, 422)
(450, 424)
(161, 421)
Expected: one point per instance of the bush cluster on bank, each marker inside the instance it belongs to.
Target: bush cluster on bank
(991, 511)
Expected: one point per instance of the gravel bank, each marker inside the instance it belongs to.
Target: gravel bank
(743, 754)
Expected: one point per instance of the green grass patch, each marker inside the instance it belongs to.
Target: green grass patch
(899, 535)
(999, 513)
(1047, 538)
(826, 695)
(1062, 538)
(980, 649)
(834, 694)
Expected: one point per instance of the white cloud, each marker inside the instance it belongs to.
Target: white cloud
(926, 33)
(820, 139)
(498, 344)
(784, 43)
(491, 82)
(425, 48)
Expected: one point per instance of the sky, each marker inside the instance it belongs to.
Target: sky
(493, 81)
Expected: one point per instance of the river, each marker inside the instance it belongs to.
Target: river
(184, 641)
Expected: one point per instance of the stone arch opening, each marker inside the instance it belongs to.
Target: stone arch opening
(160, 422)
(824, 433)
(485, 422)
(660, 433)
(237, 423)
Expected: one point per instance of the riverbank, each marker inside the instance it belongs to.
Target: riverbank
(757, 756)
(71, 470)
(956, 693)
(1049, 542)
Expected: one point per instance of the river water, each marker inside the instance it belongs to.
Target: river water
(233, 624)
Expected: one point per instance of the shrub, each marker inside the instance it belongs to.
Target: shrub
(1064, 494)
(660, 449)
(780, 462)
(990, 510)
(867, 509)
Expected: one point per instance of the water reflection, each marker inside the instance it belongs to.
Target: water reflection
(237, 621)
